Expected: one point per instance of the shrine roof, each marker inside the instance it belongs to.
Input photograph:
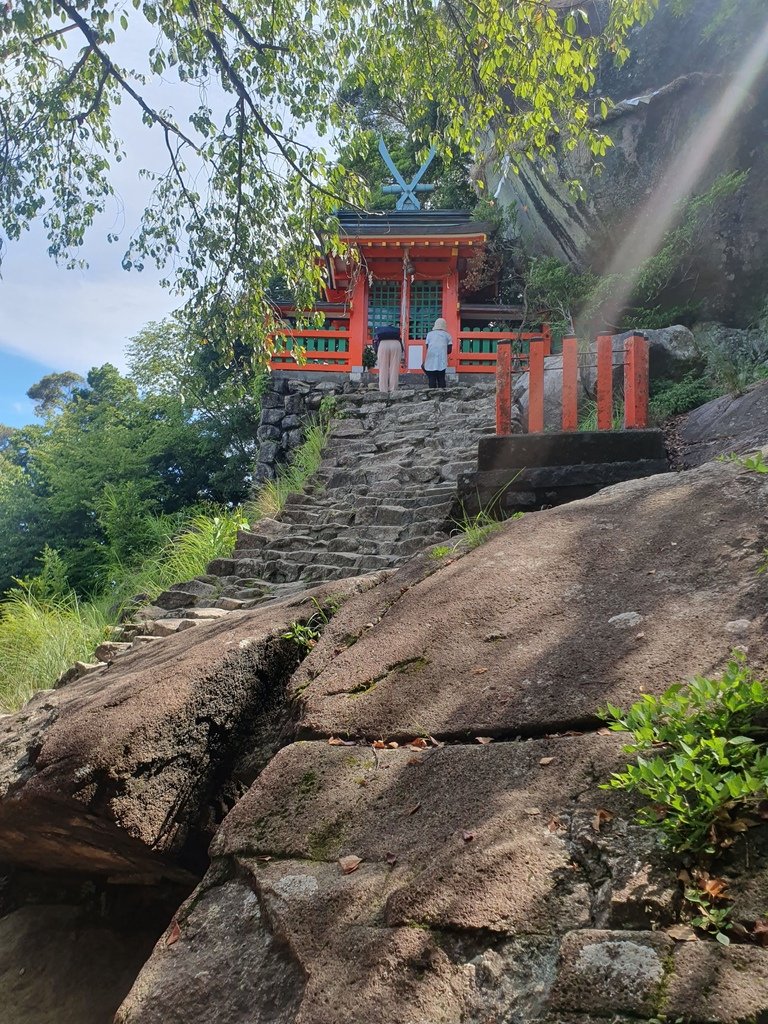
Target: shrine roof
(412, 224)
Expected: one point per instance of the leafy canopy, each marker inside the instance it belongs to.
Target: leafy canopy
(238, 192)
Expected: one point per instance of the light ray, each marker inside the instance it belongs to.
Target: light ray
(685, 172)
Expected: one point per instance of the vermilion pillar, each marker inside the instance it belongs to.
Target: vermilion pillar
(604, 382)
(358, 321)
(451, 313)
(536, 387)
(504, 387)
(570, 378)
(636, 381)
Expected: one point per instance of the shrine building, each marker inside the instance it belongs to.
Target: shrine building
(406, 268)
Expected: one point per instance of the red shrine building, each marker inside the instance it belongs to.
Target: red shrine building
(406, 268)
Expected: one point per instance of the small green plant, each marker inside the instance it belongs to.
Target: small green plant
(475, 529)
(301, 634)
(754, 463)
(710, 918)
(588, 415)
(672, 398)
(441, 551)
(306, 634)
(369, 357)
(710, 766)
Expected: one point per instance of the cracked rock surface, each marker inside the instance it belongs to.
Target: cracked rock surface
(419, 832)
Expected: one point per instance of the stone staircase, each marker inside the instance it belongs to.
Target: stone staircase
(385, 490)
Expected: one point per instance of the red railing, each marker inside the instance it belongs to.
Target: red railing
(635, 384)
(323, 350)
(477, 350)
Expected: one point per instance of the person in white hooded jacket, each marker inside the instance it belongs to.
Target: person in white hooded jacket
(439, 344)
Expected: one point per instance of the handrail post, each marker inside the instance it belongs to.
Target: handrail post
(570, 381)
(536, 386)
(504, 387)
(636, 382)
(604, 382)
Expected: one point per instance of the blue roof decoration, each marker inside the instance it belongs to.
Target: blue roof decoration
(407, 191)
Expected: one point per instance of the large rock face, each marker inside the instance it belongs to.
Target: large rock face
(454, 880)
(678, 71)
(125, 772)
(726, 425)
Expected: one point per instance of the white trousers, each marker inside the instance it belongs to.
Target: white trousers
(389, 365)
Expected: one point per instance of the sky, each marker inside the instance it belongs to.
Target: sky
(55, 319)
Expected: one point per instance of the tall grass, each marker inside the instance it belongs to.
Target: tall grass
(293, 477)
(588, 415)
(40, 639)
(42, 634)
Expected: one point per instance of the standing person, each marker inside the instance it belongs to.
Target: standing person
(439, 344)
(389, 350)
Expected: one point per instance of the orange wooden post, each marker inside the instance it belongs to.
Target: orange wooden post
(451, 312)
(536, 387)
(358, 322)
(636, 382)
(570, 377)
(604, 382)
(504, 388)
(546, 333)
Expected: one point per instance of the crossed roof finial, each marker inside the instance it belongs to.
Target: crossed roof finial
(406, 190)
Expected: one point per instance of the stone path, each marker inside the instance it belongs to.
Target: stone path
(387, 488)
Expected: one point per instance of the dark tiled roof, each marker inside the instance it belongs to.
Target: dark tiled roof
(398, 223)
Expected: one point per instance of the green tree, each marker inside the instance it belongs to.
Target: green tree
(243, 192)
(90, 479)
(52, 392)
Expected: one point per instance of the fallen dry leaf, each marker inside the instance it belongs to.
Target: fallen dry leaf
(600, 818)
(418, 743)
(435, 743)
(604, 732)
(334, 741)
(681, 933)
(350, 863)
(390, 858)
(264, 859)
(468, 836)
(533, 810)
(415, 760)
(174, 934)
(414, 809)
(714, 888)
(760, 932)
(479, 671)
(393, 745)
(554, 824)
(379, 745)
(546, 760)
(484, 739)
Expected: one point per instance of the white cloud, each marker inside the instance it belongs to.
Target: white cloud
(74, 320)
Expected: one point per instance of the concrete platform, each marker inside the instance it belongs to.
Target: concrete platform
(520, 472)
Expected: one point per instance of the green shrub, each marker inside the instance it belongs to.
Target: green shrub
(709, 766)
(672, 398)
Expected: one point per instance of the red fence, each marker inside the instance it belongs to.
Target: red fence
(635, 384)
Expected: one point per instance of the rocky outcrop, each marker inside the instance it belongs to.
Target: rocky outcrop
(666, 95)
(126, 772)
(724, 426)
(420, 824)
(393, 856)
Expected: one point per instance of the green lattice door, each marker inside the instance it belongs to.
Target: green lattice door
(384, 304)
(426, 307)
